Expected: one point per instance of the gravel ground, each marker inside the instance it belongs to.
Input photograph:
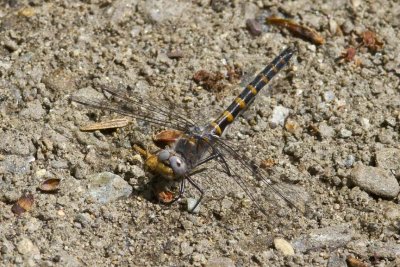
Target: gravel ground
(327, 131)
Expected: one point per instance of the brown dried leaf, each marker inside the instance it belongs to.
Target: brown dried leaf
(291, 126)
(23, 204)
(50, 185)
(349, 54)
(110, 124)
(234, 73)
(313, 129)
(162, 193)
(371, 41)
(298, 30)
(354, 262)
(209, 80)
(165, 196)
(268, 163)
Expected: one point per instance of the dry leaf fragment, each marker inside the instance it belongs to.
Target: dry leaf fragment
(165, 197)
(297, 30)
(268, 163)
(23, 204)
(291, 126)
(349, 54)
(209, 80)
(234, 73)
(105, 125)
(354, 262)
(50, 185)
(371, 41)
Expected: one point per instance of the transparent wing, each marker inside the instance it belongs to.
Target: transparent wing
(253, 180)
(138, 107)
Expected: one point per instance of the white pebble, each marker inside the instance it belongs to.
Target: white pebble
(283, 246)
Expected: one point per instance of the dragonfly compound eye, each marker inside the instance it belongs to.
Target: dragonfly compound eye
(177, 165)
(163, 155)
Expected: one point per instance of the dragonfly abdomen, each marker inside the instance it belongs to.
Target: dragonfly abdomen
(250, 91)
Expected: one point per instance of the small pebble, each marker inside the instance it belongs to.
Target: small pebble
(220, 262)
(61, 213)
(375, 180)
(326, 131)
(279, 115)
(391, 121)
(328, 237)
(25, 246)
(106, 187)
(137, 171)
(385, 249)
(333, 26)
(40, 173)
(186, 249)
(254, 27)
(11, 46)
(388, 159)
(84, 219)
(175, 54)
(15, 164)
(336, 260)
(198, 257)
(344, 133)
(59, 164)
(365, 123)
(329, 96)
(283, 246)
(15, 143)
(226, 204)
(160, 11)
(349, 161)
(191, 202)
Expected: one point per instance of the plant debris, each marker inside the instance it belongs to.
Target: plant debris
(298, 30)
(234, 73)
(367, 39)
(370, 40)
(23, 204)
(50, 185)
(349, 54)
(105, 125)
(214, 81)
(165, 196)
(209, 80)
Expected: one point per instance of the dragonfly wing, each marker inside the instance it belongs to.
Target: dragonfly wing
(137, 107)
(255, 183)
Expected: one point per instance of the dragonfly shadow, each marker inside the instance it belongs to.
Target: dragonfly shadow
(156, 190)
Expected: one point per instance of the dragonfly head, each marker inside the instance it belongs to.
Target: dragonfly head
(174, 161)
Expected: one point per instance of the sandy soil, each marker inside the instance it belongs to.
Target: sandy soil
(335, 155)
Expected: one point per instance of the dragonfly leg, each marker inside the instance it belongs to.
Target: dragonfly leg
(225, 165)
(199, 189)
(216, 155)
(211, 157)
(181, 192)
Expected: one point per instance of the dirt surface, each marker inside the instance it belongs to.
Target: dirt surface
(326, 130)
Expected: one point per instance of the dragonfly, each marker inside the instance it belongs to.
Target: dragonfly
(187, 146)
